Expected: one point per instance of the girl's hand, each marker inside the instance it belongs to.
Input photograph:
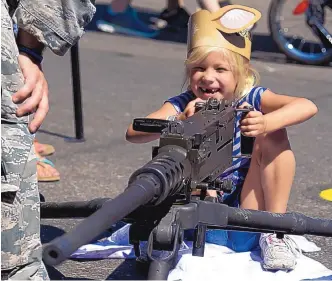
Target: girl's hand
(253, 124)
(190, 109)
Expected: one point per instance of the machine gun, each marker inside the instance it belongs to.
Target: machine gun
(158, 201)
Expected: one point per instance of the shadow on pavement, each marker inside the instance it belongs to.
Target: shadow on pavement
(55, 274)
(49, 232)
(126, 271)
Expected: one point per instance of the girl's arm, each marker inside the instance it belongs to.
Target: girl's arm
(141, 137)
(282, 111)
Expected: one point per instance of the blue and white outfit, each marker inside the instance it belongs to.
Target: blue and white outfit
(238, 241)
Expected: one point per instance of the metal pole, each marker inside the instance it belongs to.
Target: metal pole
(77, 96)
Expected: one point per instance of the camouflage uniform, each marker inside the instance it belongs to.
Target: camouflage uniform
(58, 25)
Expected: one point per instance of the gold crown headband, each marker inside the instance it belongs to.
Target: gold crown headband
(227, 28)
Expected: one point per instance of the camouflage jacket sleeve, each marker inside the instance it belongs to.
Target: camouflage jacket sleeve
(57, 24)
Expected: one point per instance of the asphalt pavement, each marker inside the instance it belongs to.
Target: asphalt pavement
(123, 78)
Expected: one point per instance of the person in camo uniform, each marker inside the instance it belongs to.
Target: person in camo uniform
(57, 25)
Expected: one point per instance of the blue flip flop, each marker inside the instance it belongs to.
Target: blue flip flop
(43, 162)
(46, 161)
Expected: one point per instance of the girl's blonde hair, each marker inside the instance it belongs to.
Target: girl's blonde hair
(244, 74)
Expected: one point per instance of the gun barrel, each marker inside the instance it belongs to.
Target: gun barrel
(138, 193)
(152, 183)
(292, 223)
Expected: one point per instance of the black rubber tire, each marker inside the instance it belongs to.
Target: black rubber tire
(274, 7)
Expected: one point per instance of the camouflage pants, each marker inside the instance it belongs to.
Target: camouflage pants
(20, 206)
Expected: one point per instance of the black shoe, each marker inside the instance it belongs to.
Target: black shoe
(176, 18)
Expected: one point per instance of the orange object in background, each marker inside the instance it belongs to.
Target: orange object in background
(301, 7)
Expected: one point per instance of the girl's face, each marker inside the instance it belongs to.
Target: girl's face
(212, 77)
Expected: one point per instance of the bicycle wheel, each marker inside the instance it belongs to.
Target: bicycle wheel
(294, 37)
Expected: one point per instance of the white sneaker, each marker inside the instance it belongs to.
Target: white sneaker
(278, 254)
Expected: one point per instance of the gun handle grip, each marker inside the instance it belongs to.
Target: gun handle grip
(247, 143)
(149, 125)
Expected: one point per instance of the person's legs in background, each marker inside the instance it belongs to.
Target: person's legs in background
(176, 15)
(43, 149)
(46, 171)
(121, 18)
(213, 5)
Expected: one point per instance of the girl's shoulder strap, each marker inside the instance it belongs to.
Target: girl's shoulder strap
(254, 97)
(180, 101)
